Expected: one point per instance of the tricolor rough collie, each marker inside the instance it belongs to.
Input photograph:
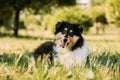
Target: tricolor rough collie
(70, 46)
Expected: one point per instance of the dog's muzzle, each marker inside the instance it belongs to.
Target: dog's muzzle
(63, 42)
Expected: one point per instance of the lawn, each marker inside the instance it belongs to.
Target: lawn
(15, 64)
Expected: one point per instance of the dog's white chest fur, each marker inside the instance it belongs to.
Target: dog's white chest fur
(71, 58)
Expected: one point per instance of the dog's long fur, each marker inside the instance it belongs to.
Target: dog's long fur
(71, 47)
(45, 50)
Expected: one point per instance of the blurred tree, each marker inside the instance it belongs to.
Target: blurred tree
(71, 14)
(97, 2)
(17, 6)
(101, 22)
(102, 19)
(6, 15)
(117, 11)
(113, 11)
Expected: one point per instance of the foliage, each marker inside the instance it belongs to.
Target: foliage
(96, 2)
(75, 15)
(6, 16)
(101, 18)
(71, 14)
(113, 11)
(66, 2)
(96, 11)
(17, 6)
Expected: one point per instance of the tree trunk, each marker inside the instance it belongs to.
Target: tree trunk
(16, 22)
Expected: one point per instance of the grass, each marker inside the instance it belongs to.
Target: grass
(15, 55)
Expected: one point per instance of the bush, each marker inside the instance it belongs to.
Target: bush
(70, 14)
(87, 22)
(113, 11)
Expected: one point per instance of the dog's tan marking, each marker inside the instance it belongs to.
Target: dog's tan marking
(65, 29)
(71, 31)
(71, 41)
(74, 39)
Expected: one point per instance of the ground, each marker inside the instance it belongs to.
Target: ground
(15, 60)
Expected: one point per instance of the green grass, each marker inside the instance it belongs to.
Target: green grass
(15, 64)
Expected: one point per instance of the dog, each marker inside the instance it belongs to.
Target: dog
(45, 50)
(70, 46)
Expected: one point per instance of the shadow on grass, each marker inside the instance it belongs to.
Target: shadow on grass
(111, 61)
(26, 37)
(15, 59)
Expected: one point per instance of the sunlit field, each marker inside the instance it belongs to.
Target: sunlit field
(24, 25)
(15, 64)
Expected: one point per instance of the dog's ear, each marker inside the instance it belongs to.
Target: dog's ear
(58, 25)
(79, 27)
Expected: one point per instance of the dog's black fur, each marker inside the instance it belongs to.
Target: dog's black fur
(44, 49)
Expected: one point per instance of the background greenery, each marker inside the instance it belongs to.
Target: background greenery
(38, 15)
(37, 24)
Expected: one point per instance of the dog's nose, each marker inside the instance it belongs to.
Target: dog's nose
(65, 40)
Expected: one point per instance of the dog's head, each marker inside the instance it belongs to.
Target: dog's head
(67, 34)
